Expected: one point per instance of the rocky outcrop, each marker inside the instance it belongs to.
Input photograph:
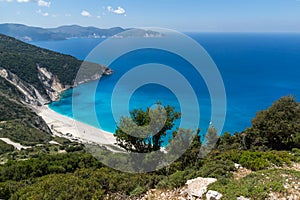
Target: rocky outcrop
(213, 195)
(29, 94)
(90, 72)
(197, 187)
(40, 124)
(51, 84)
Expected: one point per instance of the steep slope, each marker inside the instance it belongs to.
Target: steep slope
(18, 122)
(41, 73)
(30, 77)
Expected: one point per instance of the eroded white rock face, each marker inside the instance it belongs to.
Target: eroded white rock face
(198, 187)
(51, 83)
(30, 94)
(213, 195)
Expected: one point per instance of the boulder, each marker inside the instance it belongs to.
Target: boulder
(198, 187)
(213, 195)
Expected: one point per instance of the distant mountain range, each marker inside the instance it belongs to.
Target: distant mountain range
(29, 33)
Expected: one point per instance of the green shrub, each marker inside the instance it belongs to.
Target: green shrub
(233, 155)
(4, 148)
(296, 153)
(257, 185)
(253, 161)
(217, 169)
(138, 191)
(262, 160)
(175, 180)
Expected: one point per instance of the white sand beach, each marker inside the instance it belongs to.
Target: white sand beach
(67, 127)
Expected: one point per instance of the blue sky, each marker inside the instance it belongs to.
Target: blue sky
(181, 15)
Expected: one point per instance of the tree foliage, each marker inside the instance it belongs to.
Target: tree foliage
(144, 131)
(277, 127)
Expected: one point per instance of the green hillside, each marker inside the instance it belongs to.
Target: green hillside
(22, 59)
(18, 122)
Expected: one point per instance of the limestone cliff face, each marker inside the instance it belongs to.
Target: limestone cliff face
(54, 87)
(51, 84)
(30, 94)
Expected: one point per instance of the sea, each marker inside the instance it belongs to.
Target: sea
(257, 69)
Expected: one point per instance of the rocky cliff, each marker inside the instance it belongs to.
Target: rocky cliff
(30, 94)
(41, 75)
(52, 85)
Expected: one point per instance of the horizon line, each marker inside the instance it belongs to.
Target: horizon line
(183, 31)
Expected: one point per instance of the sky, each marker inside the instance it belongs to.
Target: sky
(181, 15)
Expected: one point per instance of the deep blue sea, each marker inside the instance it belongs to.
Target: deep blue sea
(257, 69)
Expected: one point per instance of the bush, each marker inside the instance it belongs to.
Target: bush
(296, 152)
(253, 161)
(4, 148)
(277, 127)
(262, 160)
(217, 169)
(175, 180)
(138, 191)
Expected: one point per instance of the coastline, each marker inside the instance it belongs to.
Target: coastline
(71, 129)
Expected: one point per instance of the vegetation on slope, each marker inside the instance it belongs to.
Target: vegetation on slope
(47, 173)
(22, 59)
(18, 122)
(4, 148)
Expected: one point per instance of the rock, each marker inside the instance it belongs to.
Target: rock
(242, 198)
(213, 195)
(237, 166)
(197, 187)
(29, 94)
(51, 83)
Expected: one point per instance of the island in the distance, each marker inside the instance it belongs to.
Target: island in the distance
(31, 34)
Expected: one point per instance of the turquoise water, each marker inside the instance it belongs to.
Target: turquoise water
(257, 69)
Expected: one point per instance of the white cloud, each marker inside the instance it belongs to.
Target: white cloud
(85, 13)
(68, 15)
(119, 10)
(43, 3)
(45, 14)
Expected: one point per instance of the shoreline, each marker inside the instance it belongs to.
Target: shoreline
(74, 130)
